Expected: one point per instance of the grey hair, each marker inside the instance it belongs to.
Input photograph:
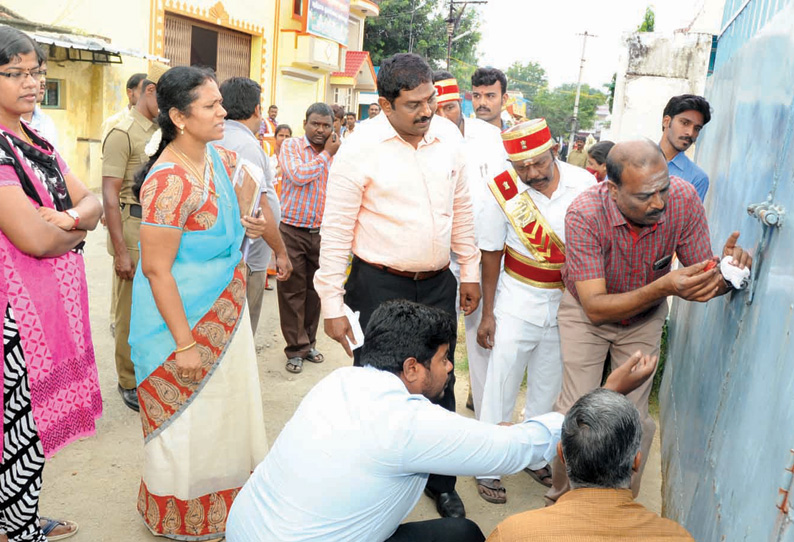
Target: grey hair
(600, 438)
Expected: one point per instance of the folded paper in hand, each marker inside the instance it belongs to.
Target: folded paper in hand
(358, 333)
(247, 182)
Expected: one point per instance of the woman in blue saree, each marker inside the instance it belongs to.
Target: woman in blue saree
(192, 344)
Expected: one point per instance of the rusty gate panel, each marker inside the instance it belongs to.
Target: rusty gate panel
(176, 40)
(727, 398)
(234, 55)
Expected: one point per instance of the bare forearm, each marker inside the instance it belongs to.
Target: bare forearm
(169, 303)
(90, 211)
(491, 262)
(604, 308)
(271, 236)
(110, 201)
(58, 242)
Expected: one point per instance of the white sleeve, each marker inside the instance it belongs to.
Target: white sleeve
(493, 224)
(443, 442)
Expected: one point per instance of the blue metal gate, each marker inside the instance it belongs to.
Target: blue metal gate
(728, 394)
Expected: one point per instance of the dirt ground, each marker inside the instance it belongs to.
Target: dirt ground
(95, 482)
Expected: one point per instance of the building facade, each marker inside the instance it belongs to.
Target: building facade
(296, 49)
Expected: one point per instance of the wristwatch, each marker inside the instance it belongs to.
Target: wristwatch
(75, 216)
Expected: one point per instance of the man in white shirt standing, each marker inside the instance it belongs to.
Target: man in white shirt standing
(523, 224)
(485, 157)
(398, 199)
(352, 462)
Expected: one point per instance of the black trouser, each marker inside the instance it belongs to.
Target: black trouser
(368, 287)
(438, 530)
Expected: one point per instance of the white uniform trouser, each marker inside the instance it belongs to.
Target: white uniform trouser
(477, 355)
(478, 359)
(519, 348)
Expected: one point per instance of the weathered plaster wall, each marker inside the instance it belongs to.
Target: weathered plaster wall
(652, 68)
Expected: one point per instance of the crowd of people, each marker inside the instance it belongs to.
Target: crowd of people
(403, 225)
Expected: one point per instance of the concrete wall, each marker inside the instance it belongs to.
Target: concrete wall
(727, 397)
(652, 68)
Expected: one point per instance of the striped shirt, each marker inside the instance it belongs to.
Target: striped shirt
(304, 179)
(599, 244)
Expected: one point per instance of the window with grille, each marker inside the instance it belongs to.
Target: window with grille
(192, 43)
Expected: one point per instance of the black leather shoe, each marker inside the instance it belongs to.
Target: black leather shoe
(448, 505)
(130, 398)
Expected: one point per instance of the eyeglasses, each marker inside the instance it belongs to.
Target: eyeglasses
(19, 76)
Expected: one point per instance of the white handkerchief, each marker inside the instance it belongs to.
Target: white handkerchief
(358, 333)
(739, 278)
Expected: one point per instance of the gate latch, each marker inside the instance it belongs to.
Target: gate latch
(767, 213)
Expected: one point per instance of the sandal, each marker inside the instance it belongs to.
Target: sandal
(541, 476)
(295, 365)
(314, 356)
(48, 525)
(492, 490)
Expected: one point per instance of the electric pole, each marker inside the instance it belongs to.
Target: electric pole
(575, 119)
(454, 20)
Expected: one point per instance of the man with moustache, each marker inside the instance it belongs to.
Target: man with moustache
(489, 95)
(577, 156)
(305, 163)
(684, 118)
(620, 239)
(523, 226)
(373, 111)
(353, 460)
(398, 199)
(485, 157)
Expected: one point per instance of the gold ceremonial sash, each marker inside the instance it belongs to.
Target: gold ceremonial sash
(529, 223)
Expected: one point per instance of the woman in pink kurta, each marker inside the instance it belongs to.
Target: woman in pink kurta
(50, 388)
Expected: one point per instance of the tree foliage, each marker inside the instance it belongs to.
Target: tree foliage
(648, 22)
(556, 106)
(529, 78)
(422, 25)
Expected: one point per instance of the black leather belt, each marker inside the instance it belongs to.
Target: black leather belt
(415, 275)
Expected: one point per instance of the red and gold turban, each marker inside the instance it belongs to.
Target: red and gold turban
(447, 90)
(527, 140)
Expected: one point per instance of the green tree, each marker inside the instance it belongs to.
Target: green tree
(556, 106)
(529, 78)
(648, 22)
(611, 88)
(420, 25)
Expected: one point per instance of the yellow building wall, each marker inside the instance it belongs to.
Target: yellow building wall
(96, 91)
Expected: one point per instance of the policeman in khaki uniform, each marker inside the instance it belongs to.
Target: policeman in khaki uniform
(122, 156)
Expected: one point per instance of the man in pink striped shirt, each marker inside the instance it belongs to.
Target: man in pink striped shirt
(305, 162)
(398, 198)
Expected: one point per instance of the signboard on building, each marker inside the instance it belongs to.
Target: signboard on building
(328, 19)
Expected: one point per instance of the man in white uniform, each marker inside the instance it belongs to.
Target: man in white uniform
(485, 157)
(524, 223)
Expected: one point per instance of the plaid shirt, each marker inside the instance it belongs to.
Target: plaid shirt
(599, 244)
(304, 179)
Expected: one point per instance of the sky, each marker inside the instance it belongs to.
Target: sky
(546, 32)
